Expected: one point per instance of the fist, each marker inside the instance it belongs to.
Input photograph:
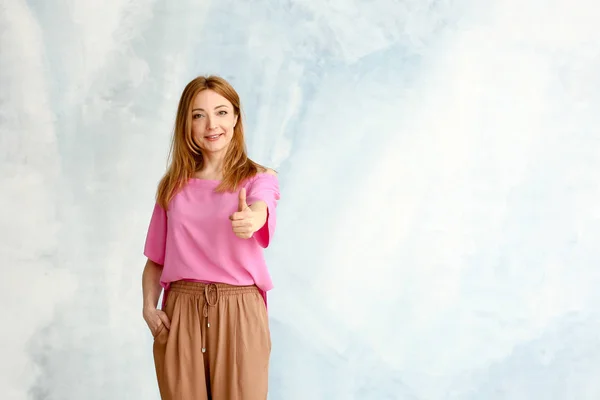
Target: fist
(244, 222)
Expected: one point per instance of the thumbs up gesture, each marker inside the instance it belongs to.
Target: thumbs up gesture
(246, 221)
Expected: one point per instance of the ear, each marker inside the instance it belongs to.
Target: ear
(235, 120)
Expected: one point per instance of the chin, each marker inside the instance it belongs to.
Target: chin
(215, 147)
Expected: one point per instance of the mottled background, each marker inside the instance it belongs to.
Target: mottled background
(439, 163)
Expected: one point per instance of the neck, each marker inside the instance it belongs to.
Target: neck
(212, 164)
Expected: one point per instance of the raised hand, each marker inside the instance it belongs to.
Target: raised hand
(245, 221)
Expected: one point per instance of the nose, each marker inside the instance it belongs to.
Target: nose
(212, 123)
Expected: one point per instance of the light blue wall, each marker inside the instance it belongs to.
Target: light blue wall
(439, 164)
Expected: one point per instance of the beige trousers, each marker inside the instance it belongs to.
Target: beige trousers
(218, 345)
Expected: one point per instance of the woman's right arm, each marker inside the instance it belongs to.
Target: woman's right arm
(151, 289)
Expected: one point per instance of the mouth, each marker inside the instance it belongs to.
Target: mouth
(212, 138)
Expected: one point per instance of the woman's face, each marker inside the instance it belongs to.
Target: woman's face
(213, 120)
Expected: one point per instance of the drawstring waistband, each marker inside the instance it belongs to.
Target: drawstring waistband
(211, 293)
(208, 303)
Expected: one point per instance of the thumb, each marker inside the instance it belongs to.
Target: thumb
(242, 201)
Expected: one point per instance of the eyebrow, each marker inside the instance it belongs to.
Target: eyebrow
(201, 109)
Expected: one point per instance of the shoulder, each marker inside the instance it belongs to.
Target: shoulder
(263, 179)
(270, 172)
(266, 171)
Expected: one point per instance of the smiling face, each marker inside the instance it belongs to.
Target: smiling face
(213, 120)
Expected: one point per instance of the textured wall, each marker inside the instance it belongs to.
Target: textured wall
(439, 164)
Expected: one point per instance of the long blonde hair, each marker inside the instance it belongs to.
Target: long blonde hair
(185, 157)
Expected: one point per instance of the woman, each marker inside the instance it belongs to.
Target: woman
(214, 215)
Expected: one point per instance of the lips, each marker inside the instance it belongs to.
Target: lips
(213, 137)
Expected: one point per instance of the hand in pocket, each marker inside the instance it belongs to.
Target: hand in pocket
(155, 319)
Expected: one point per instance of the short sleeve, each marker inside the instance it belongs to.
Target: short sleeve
(266, 188)
(156, 237)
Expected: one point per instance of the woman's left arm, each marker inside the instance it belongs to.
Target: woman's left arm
(259, 216)
(260, 208)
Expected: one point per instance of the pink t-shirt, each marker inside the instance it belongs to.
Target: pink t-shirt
(194, 239)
